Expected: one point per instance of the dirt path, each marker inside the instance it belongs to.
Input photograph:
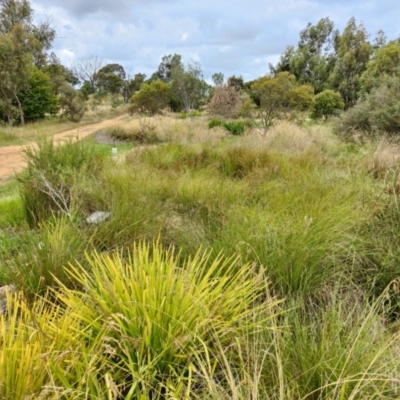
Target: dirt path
(12, 157)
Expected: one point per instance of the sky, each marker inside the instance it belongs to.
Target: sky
(236, 37)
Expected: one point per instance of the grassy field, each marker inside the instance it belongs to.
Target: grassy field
(231, 267)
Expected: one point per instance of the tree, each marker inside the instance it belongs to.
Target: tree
(277, 96)
(353, 52)
(236, 81)
(188, 84)
(386, 60)
(326, 104)
(133, 85)
(59, 74)
(312, 62)
(21, 44)
(168, 64)
(218, 78)
(151, 98)
(377, 111)
(39, 98)
(111, 79)
(86, 68)
(71, 103)
(284, 61)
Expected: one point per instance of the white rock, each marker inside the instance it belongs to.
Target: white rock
(97, 217)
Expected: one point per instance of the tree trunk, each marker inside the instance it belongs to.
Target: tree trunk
(10, 119)
(21, 112)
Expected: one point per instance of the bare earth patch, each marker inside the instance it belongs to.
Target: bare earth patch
(12, 157)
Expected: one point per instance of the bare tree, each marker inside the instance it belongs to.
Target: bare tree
(86, 68)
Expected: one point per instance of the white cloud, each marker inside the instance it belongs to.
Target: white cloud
(239, 37)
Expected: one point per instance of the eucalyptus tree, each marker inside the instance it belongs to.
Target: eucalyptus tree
(22, 45)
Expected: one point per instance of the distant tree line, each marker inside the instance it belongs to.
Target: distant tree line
(327, 71)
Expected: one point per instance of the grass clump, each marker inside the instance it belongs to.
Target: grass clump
(155, 317)
(48, 184)
(145, 134)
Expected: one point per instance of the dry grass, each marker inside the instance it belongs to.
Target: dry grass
(382, 157)
(290, 138)
(170, 128)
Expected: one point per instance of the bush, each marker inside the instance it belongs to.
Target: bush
(376, 112)
(48, 184)
(215, 122)
(72, 103)
(225, 102)
(236, 128)
(326, 104)
(151, 98)
(146, 134)
(40, 99)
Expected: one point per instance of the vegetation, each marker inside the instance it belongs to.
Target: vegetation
(288, 267)
(326, 104)
(237, 258)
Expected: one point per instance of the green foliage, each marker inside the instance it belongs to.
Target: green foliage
(156, 343)
(377, 112)
(312, 62)
(386, 60)
(279, 95)
(215, 122)
(47, 186)
(110, 78)
(72, 104)
(326, 104)
(151, 98)
(235, 127)
(86, 90)
(353, 53)
(188, 84)
(39, 99)
(326, 346)
(41, 264)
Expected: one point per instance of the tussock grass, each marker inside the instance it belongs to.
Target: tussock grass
(296, 215)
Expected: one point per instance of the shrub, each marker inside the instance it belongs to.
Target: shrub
(72, 103)
(47, 185)
(215, 122)
(146, 134)
(225, 102)
(236, 128)
(151, 98)
(326, 104)
(376, 112)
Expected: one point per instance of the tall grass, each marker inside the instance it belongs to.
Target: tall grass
(47, 186)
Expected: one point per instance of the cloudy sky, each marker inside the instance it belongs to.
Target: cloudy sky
(234, 37)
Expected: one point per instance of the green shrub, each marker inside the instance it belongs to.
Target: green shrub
(215, 122)
(376, 112)
(48, 184)
(236, 128)
(183, 115)
(326, 104)
(41, 263)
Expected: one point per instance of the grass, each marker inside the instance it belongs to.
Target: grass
(251, 267)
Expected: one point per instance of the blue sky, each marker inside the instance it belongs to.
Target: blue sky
(234, 37)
